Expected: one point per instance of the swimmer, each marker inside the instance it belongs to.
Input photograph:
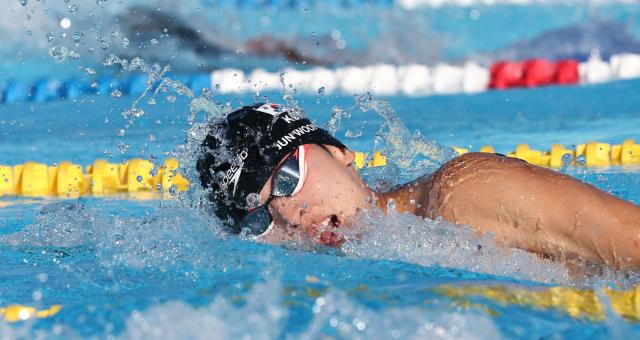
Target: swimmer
(275, 175)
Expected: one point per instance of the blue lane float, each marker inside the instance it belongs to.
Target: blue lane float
(49, 89)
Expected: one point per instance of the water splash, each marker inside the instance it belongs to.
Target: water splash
(335, 315)
(412, 153)
(409, 238)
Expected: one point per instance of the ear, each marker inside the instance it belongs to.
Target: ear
(344, 155)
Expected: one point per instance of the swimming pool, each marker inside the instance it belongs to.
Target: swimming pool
(126, 268)
(157, 268)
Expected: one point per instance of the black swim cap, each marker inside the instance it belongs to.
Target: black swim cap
(242, 150)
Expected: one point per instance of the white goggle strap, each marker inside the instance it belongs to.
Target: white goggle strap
(302, 168)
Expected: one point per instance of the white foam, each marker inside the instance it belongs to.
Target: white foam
(263, 316)
(409, 238)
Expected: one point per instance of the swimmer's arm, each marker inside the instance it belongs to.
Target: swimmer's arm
(537, 209)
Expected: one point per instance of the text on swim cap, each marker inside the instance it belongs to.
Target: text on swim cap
(291, 136)
(233, 173)
(290, 117)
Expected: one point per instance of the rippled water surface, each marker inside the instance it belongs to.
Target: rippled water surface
(128, 268)
(158, 268)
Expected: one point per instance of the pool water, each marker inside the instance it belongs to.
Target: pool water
(127, 268)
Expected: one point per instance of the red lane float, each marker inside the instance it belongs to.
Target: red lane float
(533, 73)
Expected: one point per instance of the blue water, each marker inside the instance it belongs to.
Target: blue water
(161, 269)
(127, 267)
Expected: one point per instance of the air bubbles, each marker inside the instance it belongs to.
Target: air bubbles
(29, 32)
(322, 90)
(567, 158)
(581, 160)
(139, 179)
(154, 42)
(24, 2)
(116, 93)
(125, 42)
(65, 23)
(151, 138)
(121, 132)
(171, 98)
(59, 53)
(73, 8)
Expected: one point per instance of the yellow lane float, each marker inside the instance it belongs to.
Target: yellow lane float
(595, 154)
(15, 313)
(577, 303)
(101, 178)
(137, 176)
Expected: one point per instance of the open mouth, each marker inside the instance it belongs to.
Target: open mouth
(324, 231)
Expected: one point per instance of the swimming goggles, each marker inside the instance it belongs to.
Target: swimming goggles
(288, 179)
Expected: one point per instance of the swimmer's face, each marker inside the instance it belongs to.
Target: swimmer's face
(333, 192)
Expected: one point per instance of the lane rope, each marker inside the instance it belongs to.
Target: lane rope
(381, 79)
(139, 176)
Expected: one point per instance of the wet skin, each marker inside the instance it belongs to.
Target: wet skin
(522, 205)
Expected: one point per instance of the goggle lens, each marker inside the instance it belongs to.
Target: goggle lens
(287, 181)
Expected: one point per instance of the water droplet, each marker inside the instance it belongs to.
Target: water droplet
(59, 53)
(152, 138)
(171, 98)
(391, 205)
(139, 179)
(151, 101)
(567, 158)
(24, 2)
(87, 70)
(253, 200)
(581, 160)
(51, 38)
(125, 42)
(29, 32)
(116, 94)
(121, 132)
(122, 147)
(76, 36)
(322, 90)
(65, 23)
(154, 42)
(73, 8)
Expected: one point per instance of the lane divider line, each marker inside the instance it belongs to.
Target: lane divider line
(382, 79)
(137, 176)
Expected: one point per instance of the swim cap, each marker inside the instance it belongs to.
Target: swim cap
(242, 150)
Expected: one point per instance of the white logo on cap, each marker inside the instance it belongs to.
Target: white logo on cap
(233, 174)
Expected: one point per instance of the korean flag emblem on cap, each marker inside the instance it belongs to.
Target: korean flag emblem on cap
(272, 109)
